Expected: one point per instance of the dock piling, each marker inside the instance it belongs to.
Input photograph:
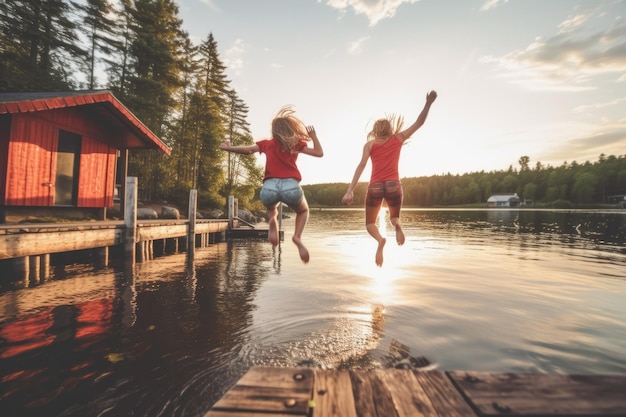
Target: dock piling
(191, 233)
(130, 218)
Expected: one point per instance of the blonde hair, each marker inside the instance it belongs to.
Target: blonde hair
(383, 129)
(287, 129)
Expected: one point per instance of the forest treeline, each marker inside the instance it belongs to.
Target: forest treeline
(139, 51)
(601, 182)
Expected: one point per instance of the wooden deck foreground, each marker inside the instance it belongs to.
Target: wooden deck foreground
(282, 392)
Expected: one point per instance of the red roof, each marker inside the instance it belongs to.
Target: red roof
(103, 101)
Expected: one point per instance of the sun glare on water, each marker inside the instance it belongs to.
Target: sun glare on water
(382, 221)
(360, 252)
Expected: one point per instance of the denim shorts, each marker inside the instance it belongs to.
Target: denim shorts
(287, 190)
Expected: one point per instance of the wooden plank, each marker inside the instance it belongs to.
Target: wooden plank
(161, 232)
(332, 394)
(212, 226)
(376, 398)
(363, 391)
(543, 395)
(36, 239)
(408, 396)
(218, 413)
(26, 244)
(443, 395)
(269, 390)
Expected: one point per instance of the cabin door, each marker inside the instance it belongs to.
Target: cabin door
(67, 168)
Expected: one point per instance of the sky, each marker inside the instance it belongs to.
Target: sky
(539, 78)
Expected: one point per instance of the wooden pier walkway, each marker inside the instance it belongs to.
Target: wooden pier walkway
(41, 238)
(282, 392)
(29, 246)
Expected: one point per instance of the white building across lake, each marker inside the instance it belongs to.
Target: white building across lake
(504, 200)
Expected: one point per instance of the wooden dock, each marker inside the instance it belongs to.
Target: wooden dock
(36, 239)
(29, 246)
(282, 392)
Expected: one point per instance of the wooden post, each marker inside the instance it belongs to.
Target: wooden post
(140, 253)
(233, 211)
(130, 218)
(44, 265)
(35, 267)
(21, 266)
(102, 257)
(151, 249)
(191, 232)
(122, 167)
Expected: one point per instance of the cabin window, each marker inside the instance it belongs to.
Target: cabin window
(68, 162)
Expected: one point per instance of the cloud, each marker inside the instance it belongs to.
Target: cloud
(573, 22)
(211, 4)
(356, 47)
(491, 4)
(596, 106)
(329, 54)
(234, 57)
(374, 10)
(572, 58)
(589, 147)
(599, 140)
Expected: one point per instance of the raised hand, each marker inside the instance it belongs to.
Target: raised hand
(431, 96)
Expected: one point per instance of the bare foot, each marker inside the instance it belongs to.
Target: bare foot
(304, 252)
(272, 234)
(379, 251)
(399, 234)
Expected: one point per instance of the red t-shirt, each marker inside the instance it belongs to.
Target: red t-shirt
(385, 157)
(280, 163)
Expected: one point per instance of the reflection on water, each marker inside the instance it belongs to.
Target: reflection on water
(493, 290)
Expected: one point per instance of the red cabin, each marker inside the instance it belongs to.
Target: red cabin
(60, 149)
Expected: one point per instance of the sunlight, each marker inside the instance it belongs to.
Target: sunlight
(381, 286)
(360, 252)
(382, 221)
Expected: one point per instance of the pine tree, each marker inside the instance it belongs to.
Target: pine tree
(103, 36)
(40, 45)
(243, 175)
(211, 88)
(155, 57)
(121, 68)
(183, 138)
(155, 51)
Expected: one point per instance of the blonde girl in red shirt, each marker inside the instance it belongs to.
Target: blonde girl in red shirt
(281, 182)
(383, 147)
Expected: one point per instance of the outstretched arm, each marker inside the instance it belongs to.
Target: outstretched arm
(405, 134)
(347, 198)
(316, 150)
(244, 149)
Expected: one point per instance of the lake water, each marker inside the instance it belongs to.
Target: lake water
(485, 290)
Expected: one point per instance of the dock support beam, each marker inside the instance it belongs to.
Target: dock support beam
(130, 219)
(102, 257)
(44, 267)
(233, 211)
(191, 232)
